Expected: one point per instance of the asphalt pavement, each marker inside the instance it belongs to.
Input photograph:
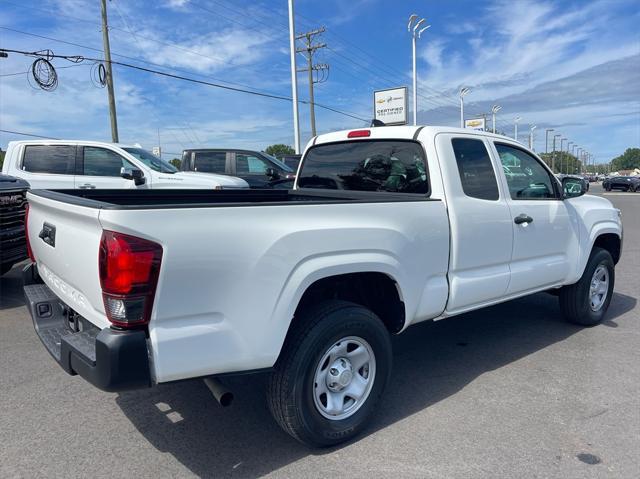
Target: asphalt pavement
(511, 391)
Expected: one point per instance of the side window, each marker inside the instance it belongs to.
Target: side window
(103, 162)
(526, 177)
(252, 165)
(56, 159)
(476, 172)
(210, 162)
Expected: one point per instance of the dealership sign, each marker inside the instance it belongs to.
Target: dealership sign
(390, 106)
(475, 124)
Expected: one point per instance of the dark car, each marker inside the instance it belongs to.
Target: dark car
(256, 168)
(624, 183)
(292, 161)
(13, 202)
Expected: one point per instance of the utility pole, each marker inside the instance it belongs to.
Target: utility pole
(294, 79)
(310, 48)
(515, 127)
(107, 59)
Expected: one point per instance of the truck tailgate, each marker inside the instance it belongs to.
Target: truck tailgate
(65, 240)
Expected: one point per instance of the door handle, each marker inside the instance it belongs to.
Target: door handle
(522, 218)
(87, 186)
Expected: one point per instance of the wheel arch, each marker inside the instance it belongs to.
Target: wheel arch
(363, 282)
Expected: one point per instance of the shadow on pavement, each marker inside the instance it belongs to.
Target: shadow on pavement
(11, 288)
(431, 362)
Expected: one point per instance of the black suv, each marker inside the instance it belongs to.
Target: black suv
(13, 202)
(256, 168)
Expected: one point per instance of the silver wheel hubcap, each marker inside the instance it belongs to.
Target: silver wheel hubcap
(599, 288)
(344, 378)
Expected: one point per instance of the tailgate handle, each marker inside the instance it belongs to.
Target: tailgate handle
(48, 234)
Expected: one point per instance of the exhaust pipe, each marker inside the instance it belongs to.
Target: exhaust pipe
(219, 391)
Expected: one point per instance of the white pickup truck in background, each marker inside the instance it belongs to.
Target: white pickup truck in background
(386, 227)
(73, 164)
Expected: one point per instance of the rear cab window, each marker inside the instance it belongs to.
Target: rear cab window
(366, 165)
(52, 159)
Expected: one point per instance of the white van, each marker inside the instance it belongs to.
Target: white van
(64, 164)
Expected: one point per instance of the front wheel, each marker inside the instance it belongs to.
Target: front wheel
(331, 374)
(586, 302)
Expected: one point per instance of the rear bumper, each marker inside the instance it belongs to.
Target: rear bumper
(110, 359)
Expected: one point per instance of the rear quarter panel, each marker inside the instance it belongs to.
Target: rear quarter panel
(231, 277)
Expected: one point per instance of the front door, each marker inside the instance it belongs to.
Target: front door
(545, 239)
(100, 168)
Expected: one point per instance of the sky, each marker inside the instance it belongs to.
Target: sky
(570, 66)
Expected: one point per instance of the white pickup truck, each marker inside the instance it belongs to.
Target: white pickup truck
(386, 227)
(77, 164)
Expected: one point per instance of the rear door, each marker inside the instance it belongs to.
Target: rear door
(545, 237)
(481, 233)
(48, 166)
(100, 168)
(215, 161)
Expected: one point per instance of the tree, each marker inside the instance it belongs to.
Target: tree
(629, 160)
(564, 162)
(1, 158)
(176, 162)
(279, 150)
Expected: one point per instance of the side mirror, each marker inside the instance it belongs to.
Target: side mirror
(133, 174)
(573, 187)
(272, 173)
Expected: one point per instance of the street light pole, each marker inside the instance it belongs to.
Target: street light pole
(578, 151)
(294, 79)
(546, 140)
(515, 127)
(531, 137)
(463, 92)
(415, 34)
(495, 109)
(553, 154)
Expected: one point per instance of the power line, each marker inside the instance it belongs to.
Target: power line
(29, 134)
(192, 80)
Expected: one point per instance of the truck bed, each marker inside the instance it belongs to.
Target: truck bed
(154, 199)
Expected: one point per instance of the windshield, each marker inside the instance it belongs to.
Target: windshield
(152, 161)
(280, 164)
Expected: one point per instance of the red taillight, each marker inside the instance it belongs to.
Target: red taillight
(129, 269)
(359, 134)
(26, 233)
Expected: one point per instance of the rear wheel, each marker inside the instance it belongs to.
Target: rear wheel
(607, 188)
(332, 371)
(586, 302)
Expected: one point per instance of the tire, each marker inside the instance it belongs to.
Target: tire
(292, 392)
(576, 301)
(607, 188)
